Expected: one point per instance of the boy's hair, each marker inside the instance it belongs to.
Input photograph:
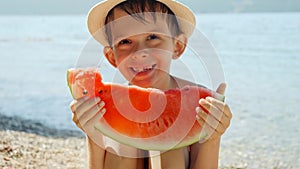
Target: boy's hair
(136, 8)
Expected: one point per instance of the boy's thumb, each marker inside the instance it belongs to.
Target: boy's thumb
(221, 89)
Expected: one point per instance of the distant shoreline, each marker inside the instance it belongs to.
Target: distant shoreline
(29, 126)
(204, 6)
(198, 13)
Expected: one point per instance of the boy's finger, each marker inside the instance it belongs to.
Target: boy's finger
(97, 116)
(223, 107)
(221, 89)
(223, 115)
(208, 131)
(76, 103)
(211, 109)
(87, 105)
(87, 116)
(220, 129)
(209, 119)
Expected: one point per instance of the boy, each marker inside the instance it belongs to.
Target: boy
(141, 37)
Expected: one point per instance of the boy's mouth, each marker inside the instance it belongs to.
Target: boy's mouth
(143, 69)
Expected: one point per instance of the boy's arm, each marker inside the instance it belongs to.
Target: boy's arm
(215, 122)
(95, 155)
(205, 155)
(94, 109)
(99, 158)
(173, 159)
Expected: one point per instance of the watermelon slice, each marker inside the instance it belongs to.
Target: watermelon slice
(145, 118)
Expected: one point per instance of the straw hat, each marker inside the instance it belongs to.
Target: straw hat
(98, 13)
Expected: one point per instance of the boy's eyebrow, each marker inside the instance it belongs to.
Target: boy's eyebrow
(122, 35)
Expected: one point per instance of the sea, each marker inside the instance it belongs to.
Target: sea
(256, 54)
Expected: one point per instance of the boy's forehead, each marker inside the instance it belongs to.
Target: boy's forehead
(128, 25)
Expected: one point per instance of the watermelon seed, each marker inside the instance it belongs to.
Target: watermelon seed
(157, 123)
(168, 122)
(100, 92)
(85, 92)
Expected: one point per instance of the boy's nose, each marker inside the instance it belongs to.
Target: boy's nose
(141, 52)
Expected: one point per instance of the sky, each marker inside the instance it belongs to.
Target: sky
(36, 7)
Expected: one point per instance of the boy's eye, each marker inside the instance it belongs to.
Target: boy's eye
(124, 42)
(152, 36)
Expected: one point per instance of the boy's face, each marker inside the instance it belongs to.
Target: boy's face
(142, 51)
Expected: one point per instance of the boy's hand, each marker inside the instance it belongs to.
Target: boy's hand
(86, 112)
(214, 115)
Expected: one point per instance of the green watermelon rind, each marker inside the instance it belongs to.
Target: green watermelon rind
(219, 97)
(162, 146)
(69, 85)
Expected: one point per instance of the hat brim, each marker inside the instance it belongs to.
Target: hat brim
(98, 13)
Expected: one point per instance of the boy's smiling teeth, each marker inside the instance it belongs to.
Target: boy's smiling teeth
(142, 69)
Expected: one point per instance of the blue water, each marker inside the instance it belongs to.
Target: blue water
(260, 55)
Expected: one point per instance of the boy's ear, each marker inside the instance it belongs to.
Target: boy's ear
(109, 54)
(180, 43)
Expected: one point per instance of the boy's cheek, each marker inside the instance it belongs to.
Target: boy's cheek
(120, 57)
(122, 53)
(122, 63)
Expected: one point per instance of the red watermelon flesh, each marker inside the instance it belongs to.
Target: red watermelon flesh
(145, 118)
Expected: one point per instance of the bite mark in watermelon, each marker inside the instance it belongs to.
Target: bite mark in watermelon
(145, 118)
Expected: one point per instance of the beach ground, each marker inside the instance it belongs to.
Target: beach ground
(21, 150)
(25, 144)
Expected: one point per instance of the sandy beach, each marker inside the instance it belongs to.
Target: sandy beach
(26, 144)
